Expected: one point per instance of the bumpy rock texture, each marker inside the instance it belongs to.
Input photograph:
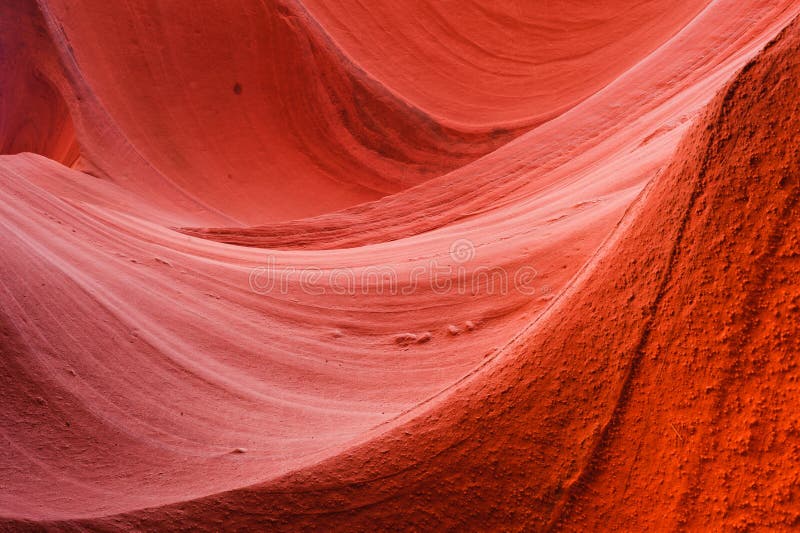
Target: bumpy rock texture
(235, 237)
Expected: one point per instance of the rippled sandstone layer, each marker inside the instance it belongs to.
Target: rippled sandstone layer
(253, 256)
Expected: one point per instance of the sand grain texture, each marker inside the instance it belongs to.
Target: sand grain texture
(158, 155)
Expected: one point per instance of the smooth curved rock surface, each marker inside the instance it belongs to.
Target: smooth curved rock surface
(357, 265)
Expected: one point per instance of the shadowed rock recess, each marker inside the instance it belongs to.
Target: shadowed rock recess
(357, 266)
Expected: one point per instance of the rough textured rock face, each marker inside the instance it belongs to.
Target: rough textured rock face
(474, 266)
